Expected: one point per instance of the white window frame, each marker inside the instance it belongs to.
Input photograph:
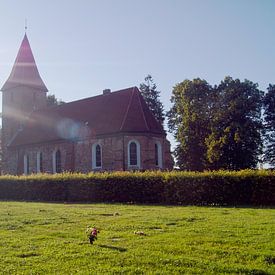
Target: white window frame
(38, 162)
(138, 166)
(94, 156)
(54, 160)
(159, 148)
(26, 164)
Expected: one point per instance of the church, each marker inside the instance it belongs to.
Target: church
(113, 131)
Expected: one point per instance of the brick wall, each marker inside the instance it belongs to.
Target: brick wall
(17, 104)
(77, 156)
(115, 153)
(15, 163)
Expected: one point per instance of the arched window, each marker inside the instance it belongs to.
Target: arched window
(96, 156)
(57, 162)
(39, 162)
(158, 155)
(26, 164)
(133, 154)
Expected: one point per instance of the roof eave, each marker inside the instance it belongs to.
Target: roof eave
(41, 88)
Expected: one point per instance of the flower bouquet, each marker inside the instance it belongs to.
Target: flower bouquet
(92, 234)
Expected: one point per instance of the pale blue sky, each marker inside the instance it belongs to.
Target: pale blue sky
(82, 47)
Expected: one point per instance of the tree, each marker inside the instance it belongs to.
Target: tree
(189, 120)
(151, 96)
(269, 118)
(235, 140)
(1, 151)
(53, 101)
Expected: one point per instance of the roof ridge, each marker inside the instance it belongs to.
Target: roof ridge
(143, 112)
(127, 110)
(14, 136)
(85, 98)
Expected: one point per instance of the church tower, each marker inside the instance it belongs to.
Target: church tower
(23, 92)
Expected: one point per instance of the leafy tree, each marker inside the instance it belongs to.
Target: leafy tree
(53, 101)
(269, 117)
(189, 120)
(235, 140)
(151, 96)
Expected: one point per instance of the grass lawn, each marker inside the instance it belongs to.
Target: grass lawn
(47, 238)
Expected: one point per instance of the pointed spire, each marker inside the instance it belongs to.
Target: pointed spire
(24, 71)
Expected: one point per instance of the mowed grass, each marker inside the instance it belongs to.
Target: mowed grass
(48, 238)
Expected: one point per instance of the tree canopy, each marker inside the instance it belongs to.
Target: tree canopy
(53, 101)
(235, 141)
(216, 127)
(269, 119)
(151, 95)
(188, 119)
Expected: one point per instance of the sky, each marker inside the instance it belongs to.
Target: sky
(82, 47)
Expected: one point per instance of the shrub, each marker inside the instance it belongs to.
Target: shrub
(246, 187)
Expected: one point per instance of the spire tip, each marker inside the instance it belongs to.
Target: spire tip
(26, 26)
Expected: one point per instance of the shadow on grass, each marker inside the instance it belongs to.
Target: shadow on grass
(27, 255)
(120, 249)
(167, 205)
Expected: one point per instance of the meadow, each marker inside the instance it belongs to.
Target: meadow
(50, 238)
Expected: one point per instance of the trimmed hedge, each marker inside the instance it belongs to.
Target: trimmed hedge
(247, 187)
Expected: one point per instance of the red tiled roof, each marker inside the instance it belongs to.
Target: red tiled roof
(123, 111)
(24, 71)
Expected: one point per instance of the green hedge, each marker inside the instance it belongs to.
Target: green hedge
(246, 187)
